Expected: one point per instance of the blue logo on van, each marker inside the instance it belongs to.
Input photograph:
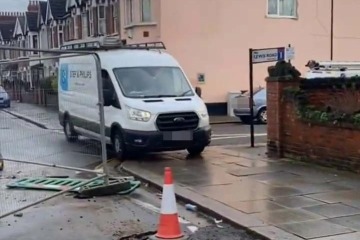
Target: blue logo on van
(64, 77)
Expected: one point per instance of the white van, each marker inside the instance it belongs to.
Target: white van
(150, 105)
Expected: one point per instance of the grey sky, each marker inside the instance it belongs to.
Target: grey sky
(13, 5)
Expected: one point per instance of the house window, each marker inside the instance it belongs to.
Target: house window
(282, 8)
(91, 23)
(71, 29)
(35, 43)
(129, 11)
(102, 20)
(145, 10)
(50, 40)
(115, 18)
(61, 38)
(76, 28)
(55, 37)
(23, 45)
(84, 23)
(61, 35)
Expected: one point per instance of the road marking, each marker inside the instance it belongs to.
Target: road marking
(238, 136)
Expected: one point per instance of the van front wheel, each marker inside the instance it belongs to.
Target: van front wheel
(118, 145)
(195, 150)
(70, 134)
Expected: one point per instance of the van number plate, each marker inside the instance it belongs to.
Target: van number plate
(178, 136)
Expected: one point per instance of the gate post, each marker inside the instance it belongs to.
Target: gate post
(276, 82)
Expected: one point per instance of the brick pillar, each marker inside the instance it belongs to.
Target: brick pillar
(275, 111)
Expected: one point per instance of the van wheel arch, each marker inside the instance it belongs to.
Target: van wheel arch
(114, 128)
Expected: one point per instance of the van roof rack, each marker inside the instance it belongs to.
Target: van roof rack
(108, 43)
(333, 65)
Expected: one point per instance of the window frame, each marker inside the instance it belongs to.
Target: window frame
(91, 22)
(142, 11)
(101, 20)
(129, 8)
(278, 15)
(112, 86)
(115, 18)
(35, 43)
(84, 24)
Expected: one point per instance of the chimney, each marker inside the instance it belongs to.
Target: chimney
(33, 6)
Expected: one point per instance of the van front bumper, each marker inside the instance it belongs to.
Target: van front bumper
(155, 141)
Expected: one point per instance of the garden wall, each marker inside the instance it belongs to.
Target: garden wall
(315, 120)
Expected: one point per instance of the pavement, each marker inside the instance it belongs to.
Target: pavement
(279, 199)
(115, 217)
(276, 198)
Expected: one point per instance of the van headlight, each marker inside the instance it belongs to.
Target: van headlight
(139, 115)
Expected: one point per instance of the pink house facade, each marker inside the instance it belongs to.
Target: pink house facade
(211, 38)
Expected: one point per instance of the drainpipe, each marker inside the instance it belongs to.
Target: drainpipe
(332, 31)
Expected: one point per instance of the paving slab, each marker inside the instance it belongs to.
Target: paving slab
(286, 216)
(256, 206)
(336, 197)
(264, 194)
(296, 202)
(315, 229)
(333, 210)
(352, 222)
(275, 233)
(347, 236)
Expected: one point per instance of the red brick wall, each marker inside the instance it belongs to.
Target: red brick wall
(290, 136)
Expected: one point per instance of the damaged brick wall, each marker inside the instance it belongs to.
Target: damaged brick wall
(322, 143)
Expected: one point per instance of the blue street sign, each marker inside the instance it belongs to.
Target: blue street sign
(272, 54)
(281, 54)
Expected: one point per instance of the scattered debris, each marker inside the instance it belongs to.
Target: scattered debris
(115, 187)
(18, 214)
(192, 228)
(191, 207)
(217, 222)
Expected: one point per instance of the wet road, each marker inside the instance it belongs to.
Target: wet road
(106, 218)
(237, 134)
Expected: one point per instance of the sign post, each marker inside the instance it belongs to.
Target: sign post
(264, 55)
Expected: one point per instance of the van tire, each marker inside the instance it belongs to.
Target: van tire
(70, 134)
(195, 150)
(118, 144)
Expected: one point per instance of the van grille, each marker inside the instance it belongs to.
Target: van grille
(177, 121)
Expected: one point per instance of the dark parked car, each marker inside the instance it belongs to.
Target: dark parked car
(242, 110)
(4, 98)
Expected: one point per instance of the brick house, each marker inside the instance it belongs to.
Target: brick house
(21, 41)
(91, 19)
(7, 23)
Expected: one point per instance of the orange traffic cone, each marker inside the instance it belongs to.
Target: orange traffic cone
(169, 226)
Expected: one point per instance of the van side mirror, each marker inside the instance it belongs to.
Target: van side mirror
(198, 91)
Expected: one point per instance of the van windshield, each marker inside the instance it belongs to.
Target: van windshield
(153, 82)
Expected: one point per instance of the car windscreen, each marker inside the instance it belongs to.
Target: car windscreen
(153, 82)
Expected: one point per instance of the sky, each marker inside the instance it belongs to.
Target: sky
(13, 5)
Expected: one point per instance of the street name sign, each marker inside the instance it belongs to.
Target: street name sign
(272, 54)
